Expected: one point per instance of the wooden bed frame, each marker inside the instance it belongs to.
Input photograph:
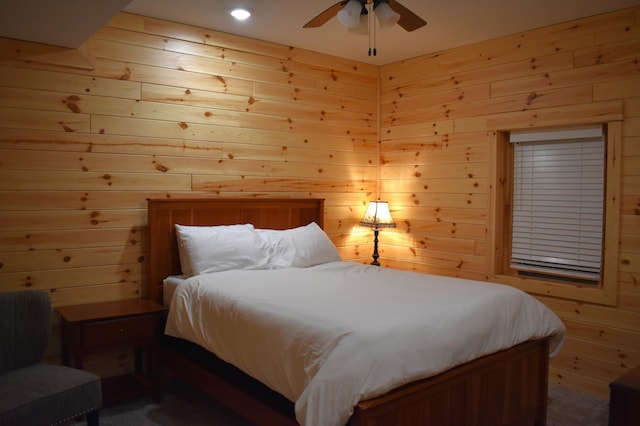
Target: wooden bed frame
(505, 388)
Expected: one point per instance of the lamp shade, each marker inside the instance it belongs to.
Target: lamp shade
(350, 14)
(387, 17)
(378, 216)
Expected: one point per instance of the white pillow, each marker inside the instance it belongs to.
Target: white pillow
(299, 247)
(205, 249)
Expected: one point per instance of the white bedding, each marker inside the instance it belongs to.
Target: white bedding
(169, 286)
(331, 335)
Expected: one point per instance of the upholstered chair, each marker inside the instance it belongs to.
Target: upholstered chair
(32, 392)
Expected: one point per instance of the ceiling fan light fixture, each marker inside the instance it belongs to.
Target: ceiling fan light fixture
(363, 26)
(363, 23)
(387, 17)
(349, 15)
(355, 15)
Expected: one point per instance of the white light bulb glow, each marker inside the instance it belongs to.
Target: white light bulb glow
(240, 14)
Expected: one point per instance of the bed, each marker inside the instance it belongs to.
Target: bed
(507, 387)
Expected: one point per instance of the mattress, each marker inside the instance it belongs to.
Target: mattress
(169, 285)
(331, 335)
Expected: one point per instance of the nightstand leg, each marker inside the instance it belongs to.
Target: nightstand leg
(154, 371)
(66, 359)
(138, 362)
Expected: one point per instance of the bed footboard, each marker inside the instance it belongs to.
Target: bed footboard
(506, 388)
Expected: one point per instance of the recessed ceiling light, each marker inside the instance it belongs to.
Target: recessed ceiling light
(240, 14)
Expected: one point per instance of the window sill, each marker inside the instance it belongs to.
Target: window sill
(574, 292)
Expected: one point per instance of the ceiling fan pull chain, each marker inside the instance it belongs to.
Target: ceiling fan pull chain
(369, 32)
(373, 26)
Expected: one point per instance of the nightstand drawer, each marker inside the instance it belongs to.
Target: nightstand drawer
(118, 331)
(89, 328)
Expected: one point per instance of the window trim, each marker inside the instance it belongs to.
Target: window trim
(500, 235)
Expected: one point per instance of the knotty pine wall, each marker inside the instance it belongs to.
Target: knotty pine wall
(167, 110)
(439, 115)
(149, 108)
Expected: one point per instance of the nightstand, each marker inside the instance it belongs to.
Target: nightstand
(624, 399)
(95, 327)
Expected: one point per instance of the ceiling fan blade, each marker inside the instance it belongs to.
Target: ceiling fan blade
(322, 18)
(408, 20)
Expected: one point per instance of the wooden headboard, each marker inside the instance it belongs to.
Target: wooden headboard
(273, 213)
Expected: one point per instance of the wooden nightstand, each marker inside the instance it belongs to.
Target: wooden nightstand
(624, 399)
(94, 327)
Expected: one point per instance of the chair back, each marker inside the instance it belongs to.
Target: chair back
(25, 328)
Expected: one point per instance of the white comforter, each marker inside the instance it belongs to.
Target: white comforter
(331, 335)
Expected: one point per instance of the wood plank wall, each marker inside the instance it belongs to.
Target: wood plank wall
(439, 114)
(167, 110)
(148, 108)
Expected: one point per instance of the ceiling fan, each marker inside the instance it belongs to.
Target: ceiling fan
(351, 12)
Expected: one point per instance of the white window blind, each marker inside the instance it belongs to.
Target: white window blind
(558, 201)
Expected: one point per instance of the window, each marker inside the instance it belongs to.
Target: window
(556, 213)
(558, 203)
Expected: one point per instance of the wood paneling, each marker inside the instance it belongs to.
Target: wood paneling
(151, 109)
(167, 110)
(436, 163)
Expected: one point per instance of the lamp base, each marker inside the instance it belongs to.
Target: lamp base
(375, 248)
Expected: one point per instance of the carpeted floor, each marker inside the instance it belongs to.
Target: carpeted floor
(567, 407)
(183, 405)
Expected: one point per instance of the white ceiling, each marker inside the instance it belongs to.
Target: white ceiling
(450, 23)
(66, 23)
